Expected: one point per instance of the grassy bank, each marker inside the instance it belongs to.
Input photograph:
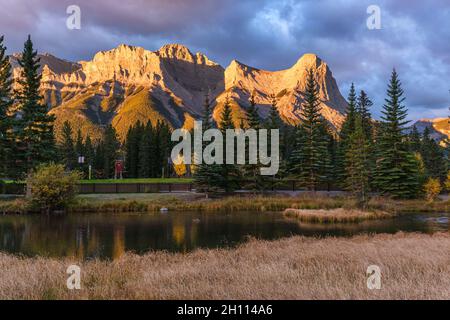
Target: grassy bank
(197, 202)
(143, 180)
(413, 266)
(335, 215)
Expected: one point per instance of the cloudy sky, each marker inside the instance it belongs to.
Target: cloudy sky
(414, 37)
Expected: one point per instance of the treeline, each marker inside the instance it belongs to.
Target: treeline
(365, 156)
(26, 128)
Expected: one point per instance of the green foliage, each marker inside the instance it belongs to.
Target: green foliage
(35, 126)
(310, 160)
(206, 175)
(52, 187)
(147, 149)
(447, 182)
(67, 148)
(6, 142)
(433, 156)
(109, 152)
(397, 167)
(230, 175)
(357, 163)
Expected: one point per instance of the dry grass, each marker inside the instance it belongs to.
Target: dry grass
(197, 202)
(413, 266)
(335, 215)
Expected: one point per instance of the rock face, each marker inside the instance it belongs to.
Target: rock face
(439, 127)
(129, 84)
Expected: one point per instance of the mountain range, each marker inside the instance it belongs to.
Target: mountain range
(129, 84)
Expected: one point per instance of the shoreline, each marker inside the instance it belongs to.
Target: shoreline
(143, 203)
(413, 266)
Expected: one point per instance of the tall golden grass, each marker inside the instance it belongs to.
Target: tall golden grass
(413, 266)
(335, 215)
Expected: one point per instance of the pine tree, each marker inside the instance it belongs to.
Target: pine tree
(145, 158)
(310, 161)
(274, 121)
(66, 147)
(35, 127)
(348, 127)
(357, 163)
(363, 109)
(132, 150)
(230, 175)
(251, 114)
(6, 140)
(206, 175)
(89, 152)
(396, 167)
(433, 157)
(415, 141)
(253, 180)
(109, 150)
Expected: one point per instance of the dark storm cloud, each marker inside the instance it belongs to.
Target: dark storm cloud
(415, 37)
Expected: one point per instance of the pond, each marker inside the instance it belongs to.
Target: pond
(111, 235)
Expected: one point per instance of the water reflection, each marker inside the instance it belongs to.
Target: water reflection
(110, 236)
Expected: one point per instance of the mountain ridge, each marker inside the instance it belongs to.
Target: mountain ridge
(128, 84)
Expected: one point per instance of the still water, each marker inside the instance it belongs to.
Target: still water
(111, 235)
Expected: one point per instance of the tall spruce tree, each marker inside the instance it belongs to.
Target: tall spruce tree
(109, 151)
(433, 157)
(357, 163)
(415, 141)
(348, 127)
(230, 174)
(363, 109)
(310, 161)
(66, 147)
(132, 150)
(396, 167)
(6, 141)
(253, 180)
(207, 175)
(35, 128)
(145, 157)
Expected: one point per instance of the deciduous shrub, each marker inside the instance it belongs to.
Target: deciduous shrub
(432, 189)
(447, 182)
(52, 187)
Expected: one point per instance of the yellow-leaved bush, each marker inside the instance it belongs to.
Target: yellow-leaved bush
(52, 187)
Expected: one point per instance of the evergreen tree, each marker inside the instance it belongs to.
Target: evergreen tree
(310, 161)
(35, 127)
(396, 167)
(109, 151)
(6, 141)
(253, 180)
(363, 109)
(145, 159)
(132, 150)
(433, 157)
(79, 145)
(206, 176)
(348, 127)
(357, 163)
(251, 114)
(415, 141)
(274, 121)
(230, 175)
(66, 146)
(89, 152)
